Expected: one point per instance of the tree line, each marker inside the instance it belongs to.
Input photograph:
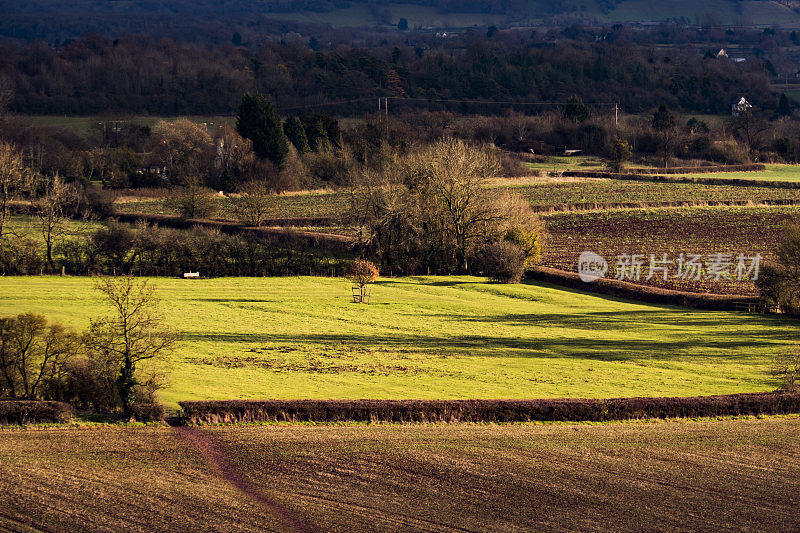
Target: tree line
(108, 368)
(138, 74)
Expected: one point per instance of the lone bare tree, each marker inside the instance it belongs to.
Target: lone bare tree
(12, 174)
(254, 203)
(431, 208)
(133, 333)
(51, 210)
(786, 367)
(751, 131)
(455, 173)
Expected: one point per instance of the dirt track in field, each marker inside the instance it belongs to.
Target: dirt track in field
(707, 475)
(220, 465)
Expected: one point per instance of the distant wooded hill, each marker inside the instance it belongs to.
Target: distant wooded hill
(214, 21)
(94, 75)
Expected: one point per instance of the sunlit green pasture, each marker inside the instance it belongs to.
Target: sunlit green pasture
(772, 173)
(558, 164)
(432, 337)
(30, 226)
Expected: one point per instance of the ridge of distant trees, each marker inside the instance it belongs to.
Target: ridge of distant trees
(136, 74)
(232, 21)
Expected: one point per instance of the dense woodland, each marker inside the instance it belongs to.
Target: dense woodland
(138, 74)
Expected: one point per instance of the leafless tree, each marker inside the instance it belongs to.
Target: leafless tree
(193, 200)
(234, 155)
(455, 175)
(51, 209)
(33, 353)
(184, 148)
(135, 332)
(252, 206)
(12, 176)
(786, 367)
(751, 131)
(433, 206)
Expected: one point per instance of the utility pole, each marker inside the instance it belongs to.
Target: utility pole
(616, 114)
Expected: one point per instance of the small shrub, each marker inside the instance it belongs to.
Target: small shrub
(362, 273)
(511, 166)
(504, 262)
(90, 201)
(529, 241)
(20, 256)
(620, 153)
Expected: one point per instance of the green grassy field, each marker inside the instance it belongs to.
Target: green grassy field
(558, 164)
(772, 173)
(752, 12)
(435, 337)
(28, 226)
(708, 475)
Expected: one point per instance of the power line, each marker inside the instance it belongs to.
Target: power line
(498, 102)
(342, 102)
(443, 100)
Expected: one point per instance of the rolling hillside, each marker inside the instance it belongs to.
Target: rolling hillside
(210, 21)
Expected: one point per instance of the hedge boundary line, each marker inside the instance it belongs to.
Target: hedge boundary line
(500, 411)
(751, 167)
(596, 206)
(26, 412)
(634, 291)
(735, 182)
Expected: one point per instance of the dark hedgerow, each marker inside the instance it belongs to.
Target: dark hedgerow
(753, 167)
(561, 410)
(645, 293)
(27, 412)
(148, 412)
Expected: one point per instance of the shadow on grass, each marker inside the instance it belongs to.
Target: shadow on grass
(769, 326)
(583, 347)
(233, 300)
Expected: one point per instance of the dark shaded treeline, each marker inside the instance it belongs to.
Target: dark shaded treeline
(157, 251)
(137, 74)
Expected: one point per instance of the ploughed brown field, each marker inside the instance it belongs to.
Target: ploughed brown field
(703, 230)
(699, 475)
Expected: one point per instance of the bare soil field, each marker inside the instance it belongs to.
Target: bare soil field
(704, 231)
(644, 476)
